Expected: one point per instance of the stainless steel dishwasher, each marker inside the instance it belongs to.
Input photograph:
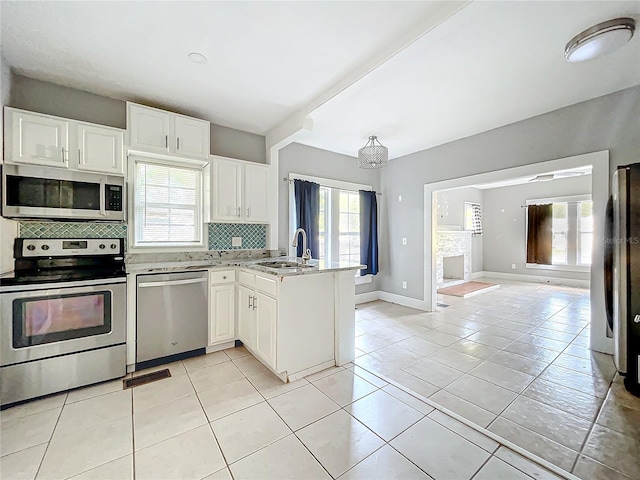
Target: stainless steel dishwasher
(171, 313)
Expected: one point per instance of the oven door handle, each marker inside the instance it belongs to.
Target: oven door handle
(172, 283)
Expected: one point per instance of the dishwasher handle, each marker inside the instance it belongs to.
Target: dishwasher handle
(171, 283)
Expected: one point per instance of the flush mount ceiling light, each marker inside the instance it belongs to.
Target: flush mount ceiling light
(372, 155)
(543, 178)
(600, 39)
(196, 57)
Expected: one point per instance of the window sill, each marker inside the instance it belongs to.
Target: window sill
(560, 268)
(365, 279)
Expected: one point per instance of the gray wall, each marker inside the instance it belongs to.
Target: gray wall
(44, 97)
(305, 160)
(609, 123)
(505, 225)
(451, 212)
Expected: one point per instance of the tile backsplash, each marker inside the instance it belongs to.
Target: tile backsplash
(254, 236)
(219, 234)
(71, 230)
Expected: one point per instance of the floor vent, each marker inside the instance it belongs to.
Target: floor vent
(442, 305)
(148, 378)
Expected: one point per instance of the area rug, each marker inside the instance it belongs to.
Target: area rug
(468, 289)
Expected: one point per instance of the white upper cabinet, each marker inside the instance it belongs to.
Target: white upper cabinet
(239, 191)
(226, 190)
(36, 139)
(149, 128)
(192, 137)
(255, 189)
(100, 149)
(154, 130)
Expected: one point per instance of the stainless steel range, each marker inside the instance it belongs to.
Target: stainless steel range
(63, 316)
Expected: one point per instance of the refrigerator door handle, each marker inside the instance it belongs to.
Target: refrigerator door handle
(608, 265)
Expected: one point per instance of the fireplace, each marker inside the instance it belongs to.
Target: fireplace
(453, 257)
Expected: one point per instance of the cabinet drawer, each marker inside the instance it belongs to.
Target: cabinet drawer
(222, 276)
(247, 278)
(267, 285)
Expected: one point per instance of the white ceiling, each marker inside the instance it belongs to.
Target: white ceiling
(265, 59)
(490, 64)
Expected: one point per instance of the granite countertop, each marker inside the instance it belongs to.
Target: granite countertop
(314, 266)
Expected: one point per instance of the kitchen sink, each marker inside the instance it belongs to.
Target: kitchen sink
(283, 264)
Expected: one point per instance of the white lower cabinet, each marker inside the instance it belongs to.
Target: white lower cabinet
(287, 322)
(246, 317)
(222, 306)
(266, 309)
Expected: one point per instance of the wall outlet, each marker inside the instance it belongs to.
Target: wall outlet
(513, 266)
(236, 241)
(404, 284)
(404, 240)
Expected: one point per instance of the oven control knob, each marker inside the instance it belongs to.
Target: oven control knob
(31, 248)
(101, 246)
(45, 247)
(113, 246)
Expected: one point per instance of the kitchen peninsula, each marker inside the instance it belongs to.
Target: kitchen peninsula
(297, 319)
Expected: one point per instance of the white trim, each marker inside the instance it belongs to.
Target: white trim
(475, 275)
(360, 280)
(567, 199)
(389, 297)
(520, 277)
(367, 297)
(560, 268)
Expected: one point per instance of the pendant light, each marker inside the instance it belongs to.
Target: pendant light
(600, 39)
(372, 155)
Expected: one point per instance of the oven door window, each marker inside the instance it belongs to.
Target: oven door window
(56, 318)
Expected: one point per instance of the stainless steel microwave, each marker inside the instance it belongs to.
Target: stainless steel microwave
(46, 192)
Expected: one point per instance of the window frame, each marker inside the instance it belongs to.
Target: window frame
(572, 233)
(202, 203)
(335, 187)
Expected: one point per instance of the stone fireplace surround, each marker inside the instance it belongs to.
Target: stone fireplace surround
(452, 243)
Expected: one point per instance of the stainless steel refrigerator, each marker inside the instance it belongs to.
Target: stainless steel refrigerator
(622, 272)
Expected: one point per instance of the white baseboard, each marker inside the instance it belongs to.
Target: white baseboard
(391, 298)
(475, 275)
(519, 277)
(367, 297)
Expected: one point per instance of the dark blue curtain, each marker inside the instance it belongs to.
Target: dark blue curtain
(307, 196)
(368, 232)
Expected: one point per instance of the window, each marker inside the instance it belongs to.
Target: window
(339, 227)
(585, 232)
(349, 227)
(473, 218)
(560, 229)
(168, 204)
(339, 222)
(571, 239)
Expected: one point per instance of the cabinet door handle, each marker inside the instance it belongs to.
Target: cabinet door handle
(238, 212)
(255, 302)
(248, 212)
(79, 156)
(63, 159)
(250, 303)
(178, 142)
(166, 141)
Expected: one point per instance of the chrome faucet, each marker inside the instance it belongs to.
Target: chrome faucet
(306, 253)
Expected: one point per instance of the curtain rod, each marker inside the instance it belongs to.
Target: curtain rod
(285, 179)
(568, 203)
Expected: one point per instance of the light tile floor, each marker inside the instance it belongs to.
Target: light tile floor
(224, 416)
(516, 361)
